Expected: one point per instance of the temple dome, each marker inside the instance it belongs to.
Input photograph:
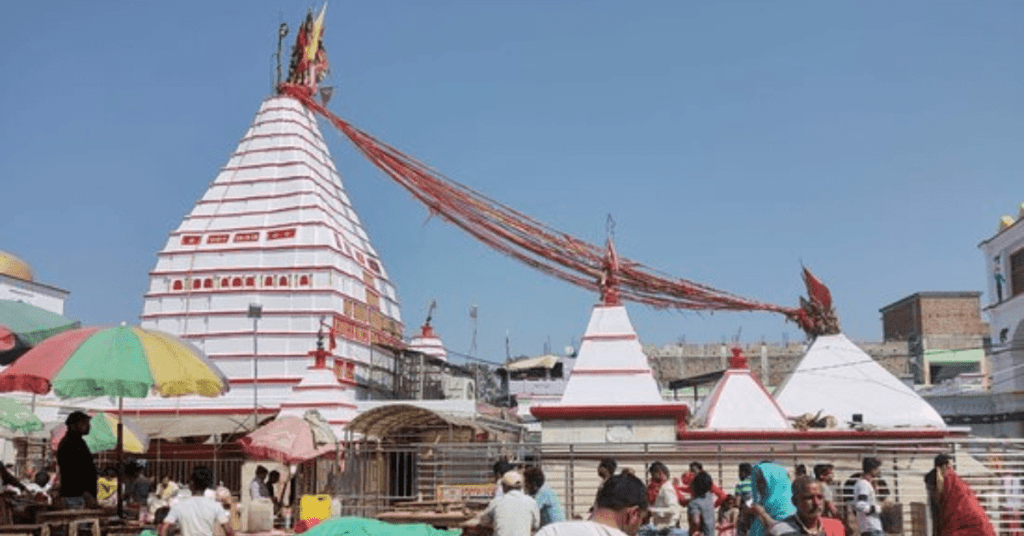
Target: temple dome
(12, 266)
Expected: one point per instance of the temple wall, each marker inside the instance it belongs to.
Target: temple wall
(608, 430)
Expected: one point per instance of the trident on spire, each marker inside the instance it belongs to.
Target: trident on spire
(609, 281)
(320, 354)
(282, 32)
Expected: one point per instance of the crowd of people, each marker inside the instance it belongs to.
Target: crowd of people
(766, 501)
(74, 482)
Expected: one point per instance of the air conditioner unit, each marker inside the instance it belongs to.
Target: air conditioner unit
(458, 388)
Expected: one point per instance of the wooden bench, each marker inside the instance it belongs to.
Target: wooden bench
(27, 530)
(67, 521)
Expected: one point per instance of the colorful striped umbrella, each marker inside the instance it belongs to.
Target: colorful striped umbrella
(23, 325)
(103, 435)
(16, 417)
(121, 361)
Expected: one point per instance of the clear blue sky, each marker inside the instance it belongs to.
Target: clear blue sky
(876, 142)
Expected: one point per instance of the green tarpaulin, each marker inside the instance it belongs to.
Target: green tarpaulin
(361, 526)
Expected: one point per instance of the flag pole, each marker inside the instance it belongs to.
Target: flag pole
(120, 458)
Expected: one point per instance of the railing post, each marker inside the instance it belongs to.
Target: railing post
(571, 479)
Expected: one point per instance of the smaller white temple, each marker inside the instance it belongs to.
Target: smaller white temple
(428, 342)
(611, 367)
(320, 389)
(612, 395)
(740, 401)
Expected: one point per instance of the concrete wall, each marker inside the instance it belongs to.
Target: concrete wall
(767, 361)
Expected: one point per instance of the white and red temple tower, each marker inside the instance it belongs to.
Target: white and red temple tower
(739, 401)
(322, 390)
(611, 396)
(429, 342)
(275, 230)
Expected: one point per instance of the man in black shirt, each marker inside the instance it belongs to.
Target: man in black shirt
(77, 470)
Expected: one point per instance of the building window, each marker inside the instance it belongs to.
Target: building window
(225, 283)
(304, 281)
(236, 282)
(1017, 272)
(197, 284)
(282, 281)
(208, 283)
(250, 281)
(177, 285)
(268, 281)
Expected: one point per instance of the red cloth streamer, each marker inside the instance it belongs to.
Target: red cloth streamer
(817, 291)
(530, 241)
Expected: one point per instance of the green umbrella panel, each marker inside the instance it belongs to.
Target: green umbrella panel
(32, 324)
(18, 419)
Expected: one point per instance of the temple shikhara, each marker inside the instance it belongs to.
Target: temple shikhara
(273, 276)
(272, 254)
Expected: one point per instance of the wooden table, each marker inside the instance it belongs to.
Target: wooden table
(123, 527)
(443, 505)
(437, 519)
(72, 518)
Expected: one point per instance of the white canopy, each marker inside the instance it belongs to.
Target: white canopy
(839, 379)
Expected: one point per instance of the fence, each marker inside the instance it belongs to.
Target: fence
(373, 477)
(378, 476)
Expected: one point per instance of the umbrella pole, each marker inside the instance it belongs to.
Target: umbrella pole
(120, 458)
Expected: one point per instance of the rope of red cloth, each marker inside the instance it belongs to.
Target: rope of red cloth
(528, 240)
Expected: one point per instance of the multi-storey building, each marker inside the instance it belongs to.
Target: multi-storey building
(994, 406)
(943, 331)
(1004, 264)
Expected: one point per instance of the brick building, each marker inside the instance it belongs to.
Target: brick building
(943, 333)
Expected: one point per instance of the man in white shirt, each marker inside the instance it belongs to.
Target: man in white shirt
(620, 511)
(198, 515)
(514, 513)
(258, 487)
(869, 520)
(665, 512)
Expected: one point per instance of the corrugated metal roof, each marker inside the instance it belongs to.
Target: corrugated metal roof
(392, 419)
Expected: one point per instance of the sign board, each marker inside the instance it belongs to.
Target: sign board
(465, 492)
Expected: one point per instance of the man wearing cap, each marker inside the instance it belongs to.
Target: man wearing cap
(500, 468)
(514, 513)
(620, 511)
(77, 470)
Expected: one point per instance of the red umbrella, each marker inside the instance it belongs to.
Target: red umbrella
(290, 440)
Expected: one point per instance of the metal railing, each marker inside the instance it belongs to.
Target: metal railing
(374, 481)
(373, 477)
